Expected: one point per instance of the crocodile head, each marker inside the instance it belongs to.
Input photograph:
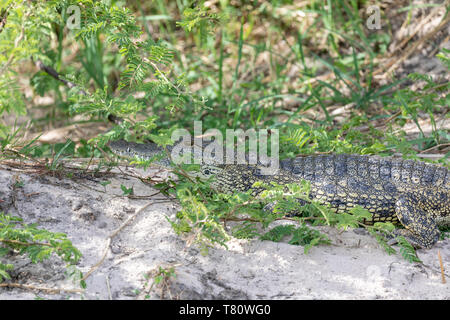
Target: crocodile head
(227, 177)
(161, 157)
(141, 151)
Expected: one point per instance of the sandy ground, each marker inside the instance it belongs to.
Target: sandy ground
(352, 267)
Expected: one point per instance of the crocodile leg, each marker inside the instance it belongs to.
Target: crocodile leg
(421, 228)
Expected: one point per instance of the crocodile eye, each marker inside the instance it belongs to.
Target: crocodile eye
(206, 172)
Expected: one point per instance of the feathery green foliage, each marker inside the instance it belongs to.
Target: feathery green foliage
(38, 244)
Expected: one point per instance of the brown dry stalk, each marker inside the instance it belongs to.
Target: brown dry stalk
(442, 267)
(436, 147)
(31, 287)
(27, 244)
(416, 30)
(396, 61)
(53, 73)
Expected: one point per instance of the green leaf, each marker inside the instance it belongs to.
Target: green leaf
(105, 183)
(345, 220)
(126, 191)
(3, 269)
(381, 241)
(384, 226)
(407, 250)
(360, 213)
(277, 233)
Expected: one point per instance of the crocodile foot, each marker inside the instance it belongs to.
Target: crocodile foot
(420, 228)
(416, 241)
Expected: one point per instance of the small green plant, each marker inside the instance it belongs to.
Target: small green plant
(301, 236)
(200, 20)
(160, 278)
(38, 244)
(105, 183)
(127, 191)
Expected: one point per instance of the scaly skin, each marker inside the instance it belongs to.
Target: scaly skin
(413, 193)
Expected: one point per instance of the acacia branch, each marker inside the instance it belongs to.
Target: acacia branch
(27, 244)
(53, 73)
(16, 42)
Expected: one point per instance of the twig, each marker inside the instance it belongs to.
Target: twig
(53, 73)
(35, 168)
(109, 288)
(27, 244)
(432, 156)
(109, 158)
(89, 163)
(17, 153)
(391, 118)
(442, 267)
(436, 147)
(31, 287)
(111, 236)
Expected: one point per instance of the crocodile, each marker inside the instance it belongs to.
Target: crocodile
(412, 193)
